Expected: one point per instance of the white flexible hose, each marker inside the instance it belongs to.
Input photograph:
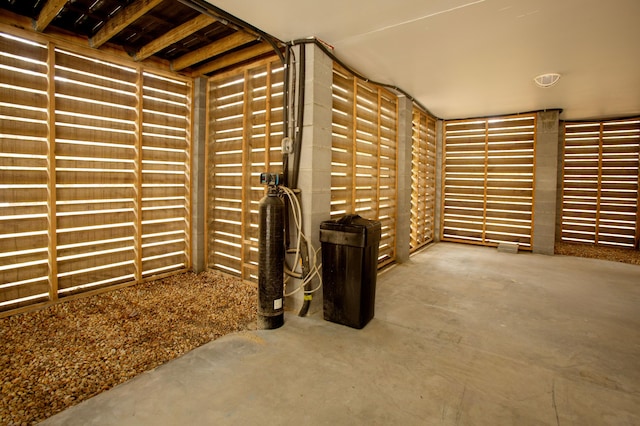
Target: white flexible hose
(315, 270)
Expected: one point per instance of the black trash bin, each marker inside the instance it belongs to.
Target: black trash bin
(349, 269)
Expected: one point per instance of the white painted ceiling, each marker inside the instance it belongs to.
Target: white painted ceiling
(470, 58)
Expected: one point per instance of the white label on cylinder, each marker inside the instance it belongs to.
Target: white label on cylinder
(277, 304)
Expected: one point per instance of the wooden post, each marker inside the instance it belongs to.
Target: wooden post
(51, 172)
(432, 170)
(138, 175)
(189, 183)
(599, 188)
(637, 242)
(533, 177)
(378, 177)
(207, 167)
(395, 236)
(354, 155)
(486, 181)
(415, 136)
(267, 120)
(246, 174)
(443, 177)
(562, 153)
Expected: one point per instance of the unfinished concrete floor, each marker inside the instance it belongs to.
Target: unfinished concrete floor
(462, 335)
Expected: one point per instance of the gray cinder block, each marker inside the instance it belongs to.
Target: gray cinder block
(505, 247)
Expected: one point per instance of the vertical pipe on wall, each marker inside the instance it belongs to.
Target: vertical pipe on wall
(285, 122)
(299, 122)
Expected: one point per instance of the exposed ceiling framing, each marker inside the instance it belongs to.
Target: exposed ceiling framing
(183, 35)
(48, 13)
(459, 58)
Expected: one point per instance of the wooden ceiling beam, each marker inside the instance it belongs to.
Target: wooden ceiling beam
(121, 20)
(233, 58)
(48, 13)
(179, 33)
(217, 47)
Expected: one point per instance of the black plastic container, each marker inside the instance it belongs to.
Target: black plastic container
(349, 269)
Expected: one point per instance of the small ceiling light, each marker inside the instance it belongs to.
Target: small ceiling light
(546, 80)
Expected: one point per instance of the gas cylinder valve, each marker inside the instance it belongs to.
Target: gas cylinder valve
(270, 179)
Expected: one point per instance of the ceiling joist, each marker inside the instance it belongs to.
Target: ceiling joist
(234, 58)
(173, 36)
(211, 50)
(48, 13)
(121, 20)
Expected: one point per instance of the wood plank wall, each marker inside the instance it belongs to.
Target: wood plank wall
(423, 179)
(488, 180)
(245, 131)
(600, 184)
(364, 155)
(94, 170)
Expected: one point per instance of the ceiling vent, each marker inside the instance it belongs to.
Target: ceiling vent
(546, 80)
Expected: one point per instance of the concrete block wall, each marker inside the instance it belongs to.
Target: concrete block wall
(315, 168)
(403, 218)
(546, 182)
(314, 180)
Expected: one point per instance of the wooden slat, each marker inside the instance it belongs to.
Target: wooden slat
(364, 153)
(423, 179)
(488, 179)
(73, 174)
(601, 182)
(239, 149)
(164, 172)
(52, 179)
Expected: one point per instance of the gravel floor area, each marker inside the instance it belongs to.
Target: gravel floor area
(599, 252)
(56, 357)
